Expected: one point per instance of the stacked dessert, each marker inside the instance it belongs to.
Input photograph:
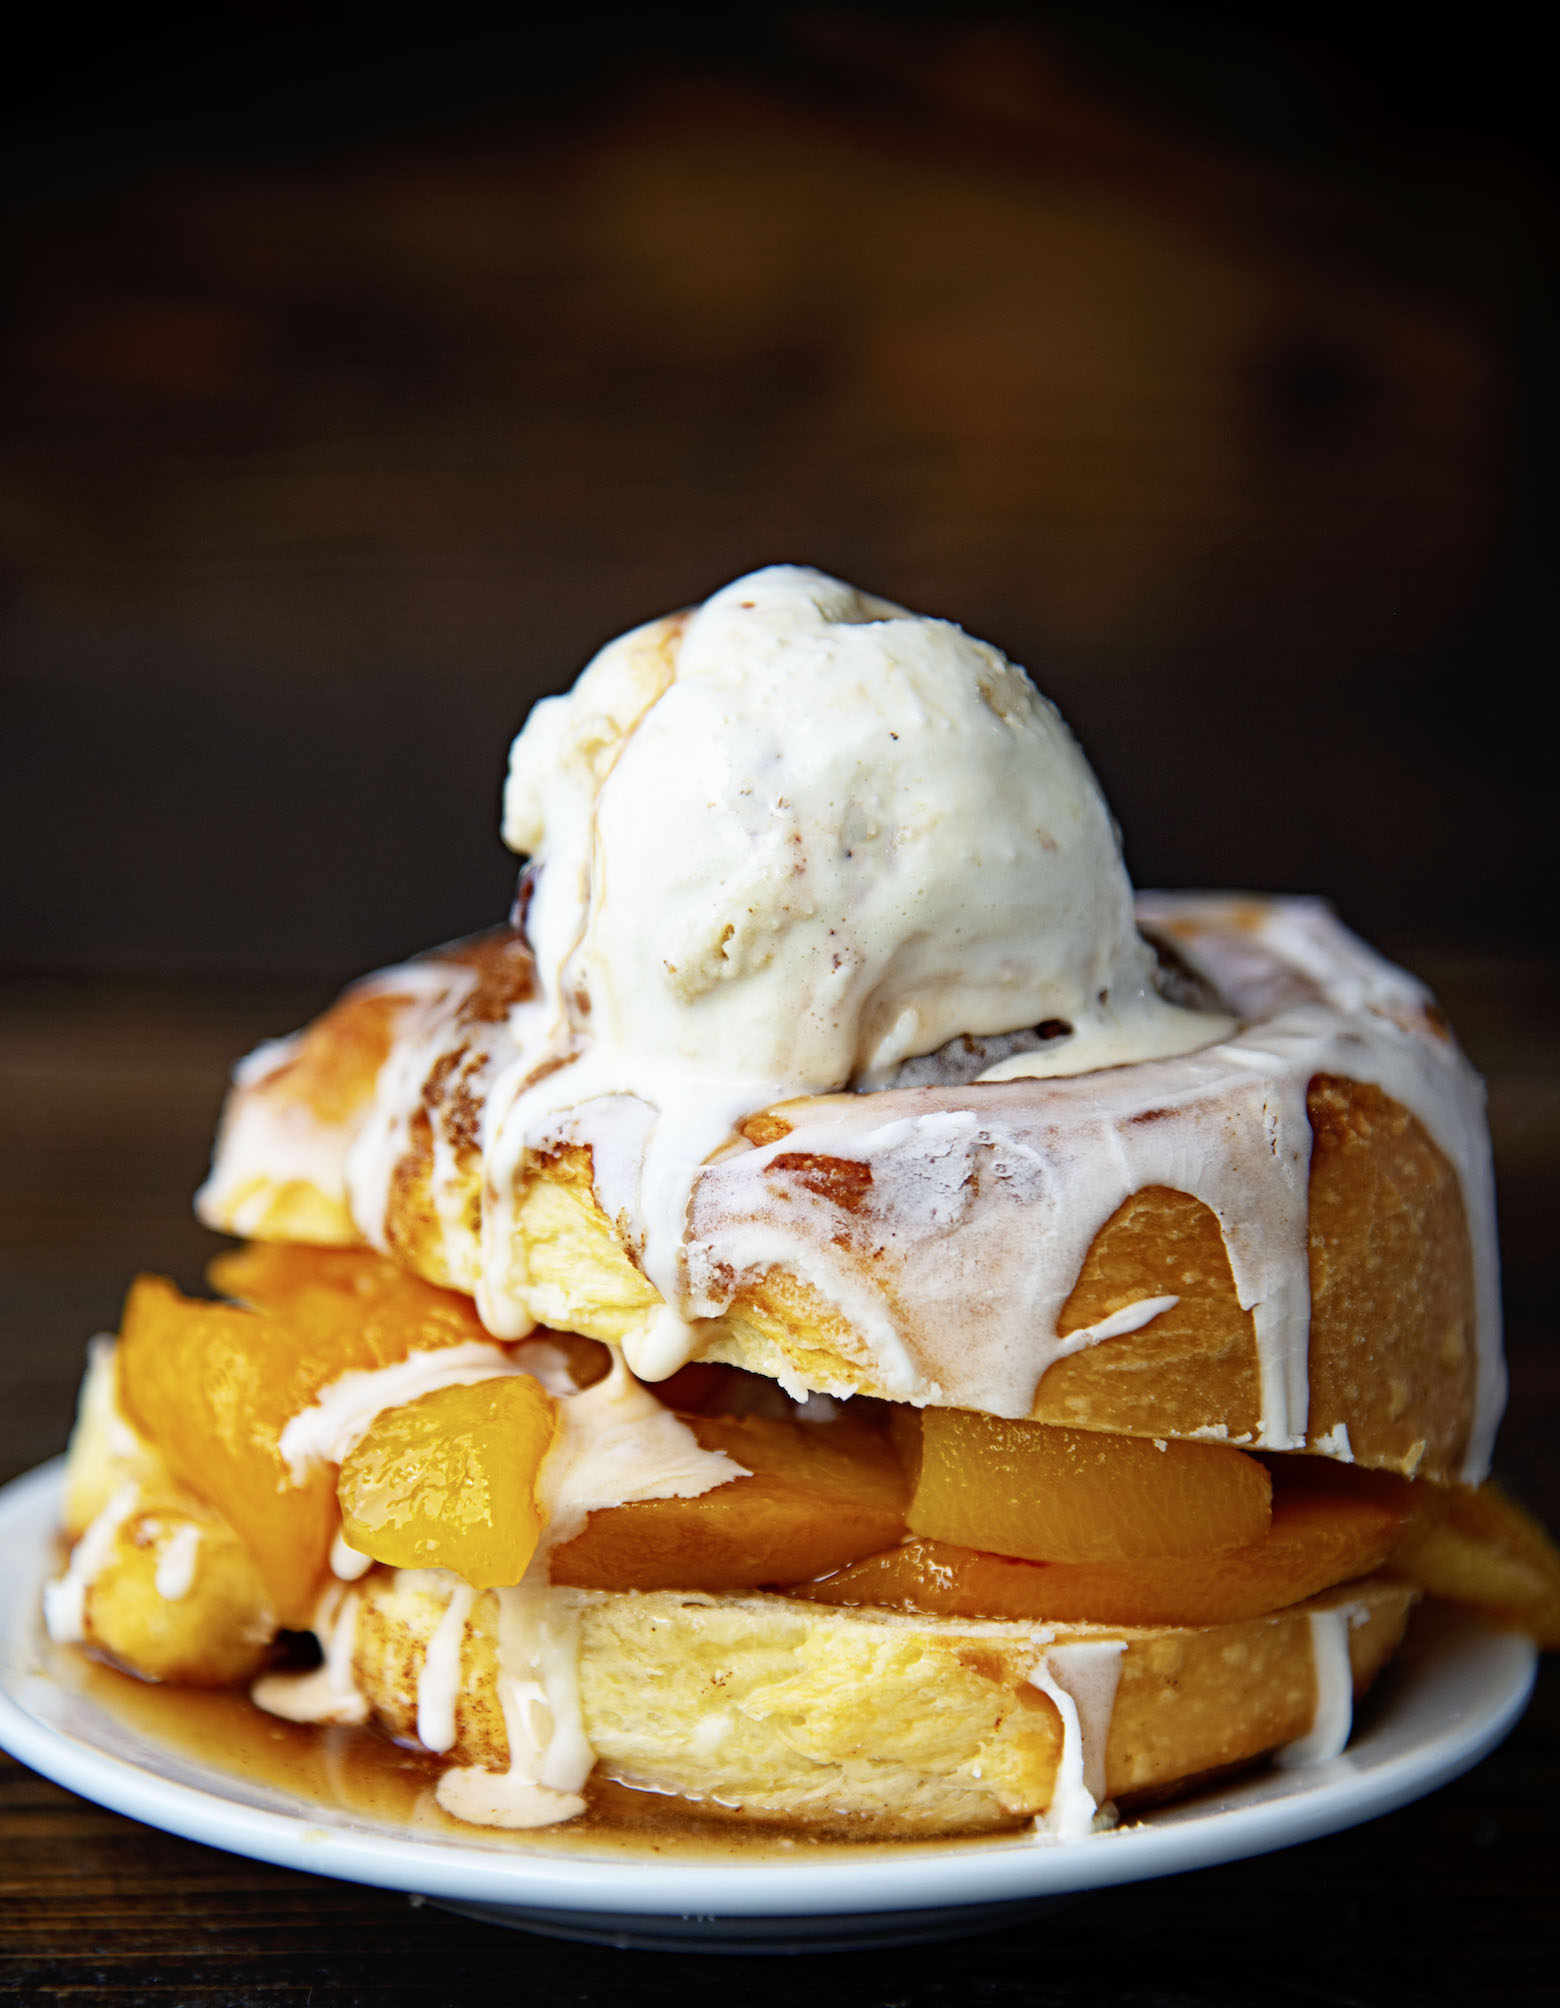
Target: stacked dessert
(837, 1310)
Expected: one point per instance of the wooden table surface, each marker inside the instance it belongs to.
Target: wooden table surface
(106, 1103)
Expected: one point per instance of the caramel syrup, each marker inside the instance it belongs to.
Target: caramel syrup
(362, 1775)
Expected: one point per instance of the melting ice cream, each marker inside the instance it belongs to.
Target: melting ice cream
(801, 836)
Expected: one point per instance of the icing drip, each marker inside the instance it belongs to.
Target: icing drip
(615, 1443)
(438, 1684)
(1081, 1680)
(175, 1576)
(647, 1147)
(386, 1135)
(65, 1599)
(329, 1693)
(1130, 1318)
(1333, 1716)
(550, 1756)
(278, 1132)
(346, 1564)
(1387, 1033)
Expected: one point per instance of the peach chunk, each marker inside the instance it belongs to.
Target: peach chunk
(1473, 1545)
(214, 1385)
(449, 1481)
(1314, 1542)
(1467, 1543)
(1070, 1495)
(819, 1495)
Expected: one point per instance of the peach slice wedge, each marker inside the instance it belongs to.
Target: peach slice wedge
(1049, 1494)
(1468, 1544)
(1315, 1541)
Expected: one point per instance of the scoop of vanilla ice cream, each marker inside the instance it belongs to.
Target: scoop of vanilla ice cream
(800, 836)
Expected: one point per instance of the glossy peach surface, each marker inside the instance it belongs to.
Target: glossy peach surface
(1067, 1495)
(1314, 1542)
(449, 1481)
(1477, 1547)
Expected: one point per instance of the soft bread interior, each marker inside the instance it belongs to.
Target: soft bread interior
(792, 1712)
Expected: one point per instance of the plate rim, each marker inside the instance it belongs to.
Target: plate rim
(896, 1877)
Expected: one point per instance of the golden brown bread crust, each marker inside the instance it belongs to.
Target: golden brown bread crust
(1392, 1291)
(1392, 1302)
(798, 1713)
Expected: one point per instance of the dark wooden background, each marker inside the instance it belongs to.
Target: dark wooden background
(354, 389)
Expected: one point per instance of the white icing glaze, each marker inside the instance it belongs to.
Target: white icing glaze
(175, 1574)
(329, 1693)
(346, 1564)
(65, 1598)
(548, 1362)
(270, 1131)
(1333, 1716)
(385, 1135)
(1130, 1318)
(617, 1443)
(263, 1128)
(438, 1684)
(1081, 1680)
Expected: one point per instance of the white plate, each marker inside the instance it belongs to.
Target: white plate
(1456, 1689)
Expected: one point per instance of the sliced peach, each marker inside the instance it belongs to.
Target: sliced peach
(1072, 1495)
(449, 1481)
(820, 1494)
(214, 1385)
(1467, 1543)
(1314, 1542)
(1473, 1545)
